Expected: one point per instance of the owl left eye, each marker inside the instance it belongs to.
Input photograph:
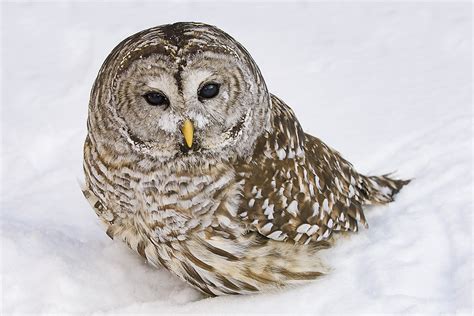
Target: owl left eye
(209, 91)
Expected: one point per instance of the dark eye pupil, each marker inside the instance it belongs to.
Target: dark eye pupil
(156, 99)
(209, 91)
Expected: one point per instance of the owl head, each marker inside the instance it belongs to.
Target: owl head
(179, 91)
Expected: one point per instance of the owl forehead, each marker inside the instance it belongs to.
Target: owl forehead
(201, 64)
(178, 44)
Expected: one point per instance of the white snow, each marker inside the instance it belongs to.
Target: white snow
(387, 84)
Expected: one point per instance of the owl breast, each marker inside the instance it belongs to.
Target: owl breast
(164, 203)
(174, 206)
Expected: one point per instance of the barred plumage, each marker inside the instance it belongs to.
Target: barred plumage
(248, 206)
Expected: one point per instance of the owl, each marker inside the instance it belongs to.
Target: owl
(193, 164)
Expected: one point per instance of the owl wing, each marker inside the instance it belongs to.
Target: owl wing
(297, 188)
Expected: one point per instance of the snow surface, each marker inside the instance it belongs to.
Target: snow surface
(387, 84)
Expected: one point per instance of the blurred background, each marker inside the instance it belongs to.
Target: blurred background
(388, 84)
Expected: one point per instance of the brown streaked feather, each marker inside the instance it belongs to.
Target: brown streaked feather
(297, 188)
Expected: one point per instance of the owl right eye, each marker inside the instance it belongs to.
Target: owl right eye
(156, 99)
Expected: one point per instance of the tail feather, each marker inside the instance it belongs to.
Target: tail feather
(382, 189)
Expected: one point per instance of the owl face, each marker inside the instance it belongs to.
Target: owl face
(192, 93)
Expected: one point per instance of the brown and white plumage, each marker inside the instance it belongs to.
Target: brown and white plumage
(248, 206)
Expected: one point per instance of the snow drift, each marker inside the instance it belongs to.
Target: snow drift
(386, 84)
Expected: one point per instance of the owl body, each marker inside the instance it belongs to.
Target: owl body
(245, 200)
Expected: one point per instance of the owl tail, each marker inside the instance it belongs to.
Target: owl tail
(382, 189)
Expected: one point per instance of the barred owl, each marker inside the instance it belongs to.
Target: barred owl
(199, 169)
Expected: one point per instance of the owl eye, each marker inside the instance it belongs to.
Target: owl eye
(209, 91)
(156, 99)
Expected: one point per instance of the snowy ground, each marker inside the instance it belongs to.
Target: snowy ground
(387, 84)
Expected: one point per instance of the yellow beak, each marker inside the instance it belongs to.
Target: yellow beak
(188, 132)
